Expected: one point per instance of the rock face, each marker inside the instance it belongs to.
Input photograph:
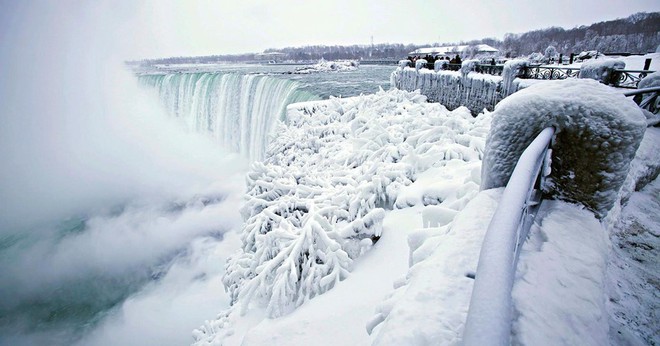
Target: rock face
(598, 131)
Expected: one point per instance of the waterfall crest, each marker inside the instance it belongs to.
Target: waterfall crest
(237, 110)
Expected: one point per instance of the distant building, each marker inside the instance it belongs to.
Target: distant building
(272, 56)
(453, 50)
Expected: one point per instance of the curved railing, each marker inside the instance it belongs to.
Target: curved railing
(550, 72)
(629, 78)
(647, 98)
(489, 316)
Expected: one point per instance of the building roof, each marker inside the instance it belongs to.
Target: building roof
(444, 50)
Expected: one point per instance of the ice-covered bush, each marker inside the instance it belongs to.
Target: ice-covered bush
(550, 52)
(601, 70)
(317, 201)
(598, 131)
(535, 57)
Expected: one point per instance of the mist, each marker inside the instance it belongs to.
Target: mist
(108, 208)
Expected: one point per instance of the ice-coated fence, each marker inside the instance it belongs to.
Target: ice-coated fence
(595, 133)
(489, 316)
(452, 89)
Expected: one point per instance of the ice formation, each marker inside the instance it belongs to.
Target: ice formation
(317, 202)
(329, 66)
(475, 91)
(598, 131)
(468, 66)
(600, 69)
(512, 70)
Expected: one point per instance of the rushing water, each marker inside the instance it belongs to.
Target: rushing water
(238, 105)
(138, 261)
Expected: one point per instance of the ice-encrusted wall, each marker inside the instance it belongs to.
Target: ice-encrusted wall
(452, 89)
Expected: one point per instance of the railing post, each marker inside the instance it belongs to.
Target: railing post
(570, 61)
(647, 64)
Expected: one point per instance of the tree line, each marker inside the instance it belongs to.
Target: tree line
(638, 33)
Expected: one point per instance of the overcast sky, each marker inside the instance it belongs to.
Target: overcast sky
(162, 28)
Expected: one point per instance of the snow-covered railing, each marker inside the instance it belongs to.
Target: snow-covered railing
(646, 98)
(629, 78)
(620, 78)
(489, 316)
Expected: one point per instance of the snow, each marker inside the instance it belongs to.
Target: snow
(559, 294)
(633, 274)
(636, 62)
(650, 81)
(490, 305)
(329, 66)
(328, 176)
(392, 169)
(431, 304)
(512, 69)
(370, 282)
(468, 66)
(600, 69)
(420, 63)
(592, 121)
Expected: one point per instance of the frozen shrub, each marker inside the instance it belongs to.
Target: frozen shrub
(318, 199)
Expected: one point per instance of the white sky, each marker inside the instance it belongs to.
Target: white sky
(159, 28)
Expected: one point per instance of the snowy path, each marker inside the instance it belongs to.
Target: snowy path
(339, 316)
(559, 292)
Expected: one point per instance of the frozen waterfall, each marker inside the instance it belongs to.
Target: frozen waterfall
(237, 110)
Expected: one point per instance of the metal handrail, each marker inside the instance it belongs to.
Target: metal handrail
(642, 91)
(489, 316)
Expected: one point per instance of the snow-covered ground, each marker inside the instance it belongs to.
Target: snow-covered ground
(421, 164)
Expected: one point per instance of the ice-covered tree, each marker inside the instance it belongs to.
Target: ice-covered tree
(550, 53)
